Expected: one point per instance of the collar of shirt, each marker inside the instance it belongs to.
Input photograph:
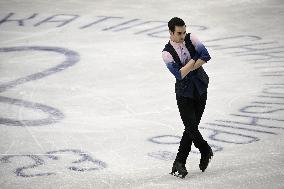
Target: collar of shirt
(177, 45)
(182, 51)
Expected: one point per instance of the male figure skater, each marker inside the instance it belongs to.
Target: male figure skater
(184, 56)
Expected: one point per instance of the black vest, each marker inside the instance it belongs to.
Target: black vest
(194, 80)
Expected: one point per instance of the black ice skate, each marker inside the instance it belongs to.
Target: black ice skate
(180, 168)
(205, 159)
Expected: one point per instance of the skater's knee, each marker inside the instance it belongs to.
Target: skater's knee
(191, 131)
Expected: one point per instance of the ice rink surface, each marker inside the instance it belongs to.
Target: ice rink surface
(87, 102)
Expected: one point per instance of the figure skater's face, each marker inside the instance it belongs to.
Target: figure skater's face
(179, 34)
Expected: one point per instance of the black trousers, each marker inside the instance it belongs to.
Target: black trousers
(191, 110)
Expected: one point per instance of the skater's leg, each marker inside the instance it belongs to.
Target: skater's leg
(188, 115)
(186, 140)
(200, 106)
(184, 148)
(206, 153)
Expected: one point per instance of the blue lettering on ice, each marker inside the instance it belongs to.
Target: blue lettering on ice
(255, 49)
(39, 161)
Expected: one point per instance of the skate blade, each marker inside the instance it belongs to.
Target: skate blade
(178, 175)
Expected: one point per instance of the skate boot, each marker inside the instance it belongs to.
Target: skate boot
(205, 159)
(180, 168)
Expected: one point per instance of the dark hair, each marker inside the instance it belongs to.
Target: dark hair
(175, 22)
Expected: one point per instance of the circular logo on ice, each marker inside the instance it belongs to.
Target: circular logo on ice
(53, 115)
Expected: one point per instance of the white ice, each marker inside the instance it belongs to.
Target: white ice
(87, 102)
